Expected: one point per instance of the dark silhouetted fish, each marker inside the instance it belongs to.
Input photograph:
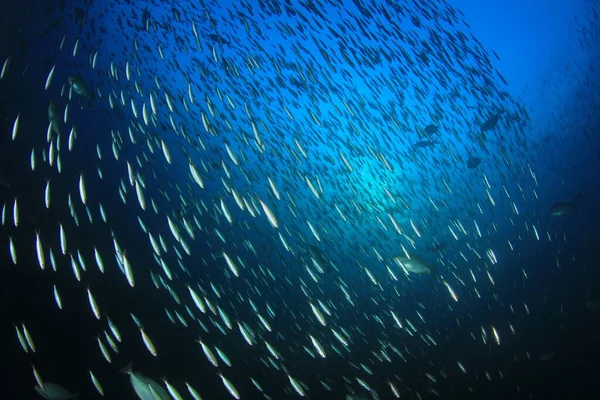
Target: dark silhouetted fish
(318, 258)
(145, 18)
(546, 357)
(593, 305)
(176, 14)
(491, 122)
(218, 38)
(3, 181)
(424, 143)
(80, 17)
(473, 162)
(431, 129)
(561, 208)
(50, 27)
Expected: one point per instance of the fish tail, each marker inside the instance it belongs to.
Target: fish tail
(128, 369)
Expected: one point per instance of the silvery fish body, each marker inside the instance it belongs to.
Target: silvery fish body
(79, 86)
(53, 391)
(414, 264)
(144, 387)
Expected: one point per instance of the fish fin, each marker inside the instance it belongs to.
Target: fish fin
(128, 369)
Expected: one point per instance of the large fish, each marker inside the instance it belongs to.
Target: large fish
(491, 122)
(53, 391)
(424, 143)
(80, 87)
(561, 208)
(357, 397)
(145, 388)
(473, 162)
(218, 38)
(414, 264)
(431, 129)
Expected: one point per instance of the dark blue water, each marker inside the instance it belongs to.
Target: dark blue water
(445, 131)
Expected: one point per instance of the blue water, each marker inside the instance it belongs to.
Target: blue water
(364, 117)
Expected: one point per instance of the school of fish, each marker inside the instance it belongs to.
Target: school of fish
(278, 176)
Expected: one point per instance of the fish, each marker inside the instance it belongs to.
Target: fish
(318, 258)
(357, 397)
(145, 18)
(53, 391)
(326, 109)
(4, 181)
(50, 27)
(79, 17)
(144, 387)
(54, 118)
(593, 305)
(217, 38)
(424, 143)
(561, 208)
(431, 129)
(96, 383)
(80, 87)
(473, 162)
(547, 357)
(491, 122)
(415, 264)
